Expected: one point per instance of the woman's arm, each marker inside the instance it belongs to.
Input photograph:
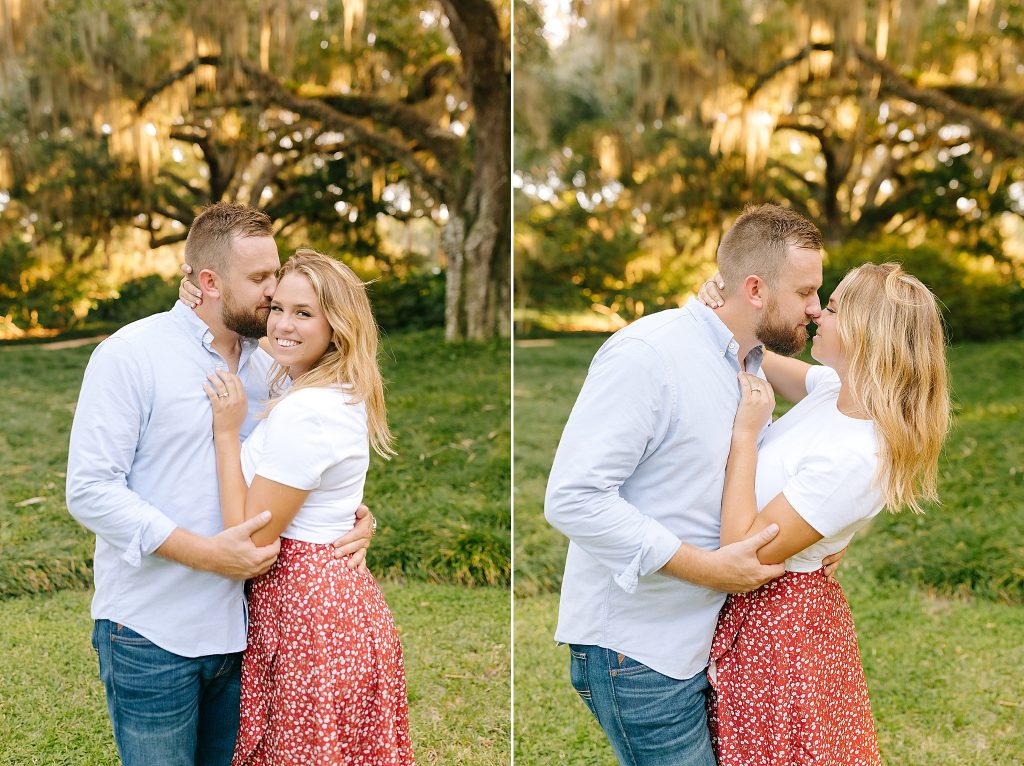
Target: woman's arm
(788, 376)
(239, 502)
(283, 501)
(740, 517)
(230, 405)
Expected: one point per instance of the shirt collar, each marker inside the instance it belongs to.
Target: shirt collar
(721, 336)
(197, 328)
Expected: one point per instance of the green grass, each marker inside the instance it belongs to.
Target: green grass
(456, 644)
(973, 543)
(944, 677)
(444, 517)
(442, 503)
(936, 598)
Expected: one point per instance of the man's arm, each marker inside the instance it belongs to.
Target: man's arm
(232, 553)
(622, 412)
(731, 569)
(112, 410)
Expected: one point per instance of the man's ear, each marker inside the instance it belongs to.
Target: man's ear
(754, 291)
(209, 282)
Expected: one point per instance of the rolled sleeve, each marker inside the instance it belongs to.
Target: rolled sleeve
(112, 410)
(658, 547)
(620, 417)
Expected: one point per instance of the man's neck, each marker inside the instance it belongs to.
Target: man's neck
(225, 342)
(741, 327)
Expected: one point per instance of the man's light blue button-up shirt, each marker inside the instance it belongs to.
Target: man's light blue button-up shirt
(639, 470)
(142, 463)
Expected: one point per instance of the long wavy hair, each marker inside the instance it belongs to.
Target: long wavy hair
(351, 357)
(891, 331)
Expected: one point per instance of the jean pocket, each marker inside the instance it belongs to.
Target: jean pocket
(125, 636)
(624, 665)
(580, 679)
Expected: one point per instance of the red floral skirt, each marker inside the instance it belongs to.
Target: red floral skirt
(322, 676)
(789, 687)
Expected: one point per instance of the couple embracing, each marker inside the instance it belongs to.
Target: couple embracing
(200, 460)
(675, 489)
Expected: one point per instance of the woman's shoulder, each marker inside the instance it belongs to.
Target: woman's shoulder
(822, 379)
(327, 403)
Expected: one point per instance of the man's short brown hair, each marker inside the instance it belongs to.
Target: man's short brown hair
(208, 245)
(758, 242)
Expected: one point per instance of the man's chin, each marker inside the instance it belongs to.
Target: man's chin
(786, 346)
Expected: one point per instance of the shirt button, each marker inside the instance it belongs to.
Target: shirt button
(734, 347)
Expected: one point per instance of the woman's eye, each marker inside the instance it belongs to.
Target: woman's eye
(303, 314)
(830, 310)
(275, 308)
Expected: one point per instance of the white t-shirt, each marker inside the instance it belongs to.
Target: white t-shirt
(314, 439)
(826, 464)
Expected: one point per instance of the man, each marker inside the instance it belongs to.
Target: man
(637, 482)
(169, 604)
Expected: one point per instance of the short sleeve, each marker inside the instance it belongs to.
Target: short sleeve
(832, 491)
(297, 448)
(820, 376)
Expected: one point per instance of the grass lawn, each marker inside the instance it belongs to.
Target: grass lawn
(936, 599)
(944, 676)
(442, 503)
(456, 643)
(444, 523)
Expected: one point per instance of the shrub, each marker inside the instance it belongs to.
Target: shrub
(415, 302)
(136, 299)
(981, 299)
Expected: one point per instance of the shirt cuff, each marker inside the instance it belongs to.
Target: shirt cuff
(658, 547)
(150, 535)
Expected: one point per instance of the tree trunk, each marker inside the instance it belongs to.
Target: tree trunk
(477, 303)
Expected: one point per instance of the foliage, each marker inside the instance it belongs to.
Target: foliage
(442, 502)
(136, 299)
(330, 118)
(981, 298)
(412, 302)
(455, 643)
(969, 545)
(658, 121)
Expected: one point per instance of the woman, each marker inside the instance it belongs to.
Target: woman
(865, 433)
(322, 677)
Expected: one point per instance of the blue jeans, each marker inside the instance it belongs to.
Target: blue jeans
(649, 719)
(167, 709)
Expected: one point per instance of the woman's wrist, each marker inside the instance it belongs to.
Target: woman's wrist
(743, 437)
(227, 435)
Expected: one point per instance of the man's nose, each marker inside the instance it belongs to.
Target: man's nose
(814, 309)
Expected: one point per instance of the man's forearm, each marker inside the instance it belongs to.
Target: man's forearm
(188, 548)
(692, 564)
(732, 568)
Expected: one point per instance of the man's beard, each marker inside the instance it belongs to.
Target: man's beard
(777, 336)
(251, 323)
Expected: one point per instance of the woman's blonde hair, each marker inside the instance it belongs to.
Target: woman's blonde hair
(891, 331)
(351, 357)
